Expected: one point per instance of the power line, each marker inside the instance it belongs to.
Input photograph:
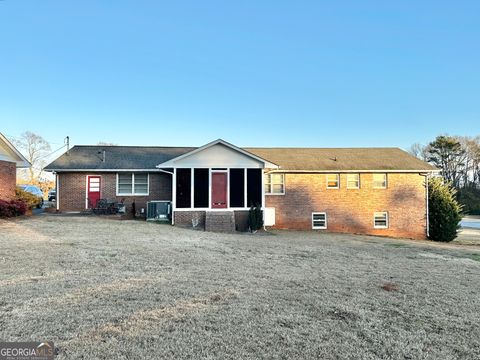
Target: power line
(53, 152)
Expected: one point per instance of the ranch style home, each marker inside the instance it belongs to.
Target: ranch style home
(378, 191)
(10, 160)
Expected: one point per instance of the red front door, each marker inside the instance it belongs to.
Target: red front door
(93, 190)
(219, 190)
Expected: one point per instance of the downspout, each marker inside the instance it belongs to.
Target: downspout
(427, 220)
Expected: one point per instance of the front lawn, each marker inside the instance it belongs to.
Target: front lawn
(111, 289)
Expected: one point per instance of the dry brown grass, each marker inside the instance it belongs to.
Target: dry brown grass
(105, 289)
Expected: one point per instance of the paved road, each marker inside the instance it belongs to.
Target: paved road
(471, 222)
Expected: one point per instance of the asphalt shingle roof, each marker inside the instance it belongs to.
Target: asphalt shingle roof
(306, 159)
(116, 157)
(331, 159)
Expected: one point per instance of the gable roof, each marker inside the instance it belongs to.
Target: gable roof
(124, 158)
(12, 154)
(171, 162)
(342, 159)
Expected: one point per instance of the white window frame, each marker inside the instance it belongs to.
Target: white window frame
(313, 222)
(380, 213)
(358, 181)
(380, 187)
(269, 182)
(338, 181)
(133, 186)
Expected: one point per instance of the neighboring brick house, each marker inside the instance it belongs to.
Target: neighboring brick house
(377, 191)
(10, 160)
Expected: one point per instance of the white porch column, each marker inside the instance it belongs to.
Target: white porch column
(174, 194)
(245, 188)
(192, 187)
(57, 193)
(209, 188)
(263, 187)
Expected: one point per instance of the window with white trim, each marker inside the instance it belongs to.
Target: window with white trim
(333, 181)
(132, 184)
(353, 181)
(379, 181)
(274, 184)
(380, 220)
(319, 220)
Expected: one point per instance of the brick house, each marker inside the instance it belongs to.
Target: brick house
(378, 191)
(10, 160)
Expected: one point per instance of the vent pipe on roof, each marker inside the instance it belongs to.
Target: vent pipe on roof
(103, 155)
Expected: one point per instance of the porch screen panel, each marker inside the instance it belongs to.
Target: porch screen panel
(254, 187)
(237, 188)
(200, 191)
(183, 188)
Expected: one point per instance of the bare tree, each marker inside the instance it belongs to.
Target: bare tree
(35, 149)
(419, 151)
(471, 172)
(104, 143)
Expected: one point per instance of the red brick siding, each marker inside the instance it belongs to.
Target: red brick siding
(72, 190)
(8, 179)
(351, 210)
(184, 219)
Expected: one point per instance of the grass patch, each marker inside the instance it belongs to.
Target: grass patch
(133, 290)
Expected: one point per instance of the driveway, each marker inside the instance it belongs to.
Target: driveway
(112, 289)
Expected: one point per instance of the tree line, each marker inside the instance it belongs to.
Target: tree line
(458, 158)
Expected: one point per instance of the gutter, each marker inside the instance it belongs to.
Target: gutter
(350, 171)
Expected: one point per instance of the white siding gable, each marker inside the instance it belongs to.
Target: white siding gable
(218, 156)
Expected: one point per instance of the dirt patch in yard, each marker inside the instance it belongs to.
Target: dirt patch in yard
(128, 289)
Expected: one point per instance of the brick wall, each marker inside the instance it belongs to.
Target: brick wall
(184, 219)
(72, 190)
(351, 210)
(8, 179)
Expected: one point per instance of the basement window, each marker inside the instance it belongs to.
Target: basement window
(353, 181)
(379, 181)
(136, 184)
(319, 220)
(275, 184)
(333, 181)
(380, 220)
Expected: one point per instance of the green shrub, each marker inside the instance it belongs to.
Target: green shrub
(255, 218)
(29, 199)
(444, 210)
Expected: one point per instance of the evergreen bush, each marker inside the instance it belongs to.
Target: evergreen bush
(444, 210)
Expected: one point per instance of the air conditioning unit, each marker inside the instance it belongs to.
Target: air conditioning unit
(159, 210)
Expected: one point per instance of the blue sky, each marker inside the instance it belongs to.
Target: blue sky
(255, 73)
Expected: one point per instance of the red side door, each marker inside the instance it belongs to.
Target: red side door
(93, 190)
(219, 190)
